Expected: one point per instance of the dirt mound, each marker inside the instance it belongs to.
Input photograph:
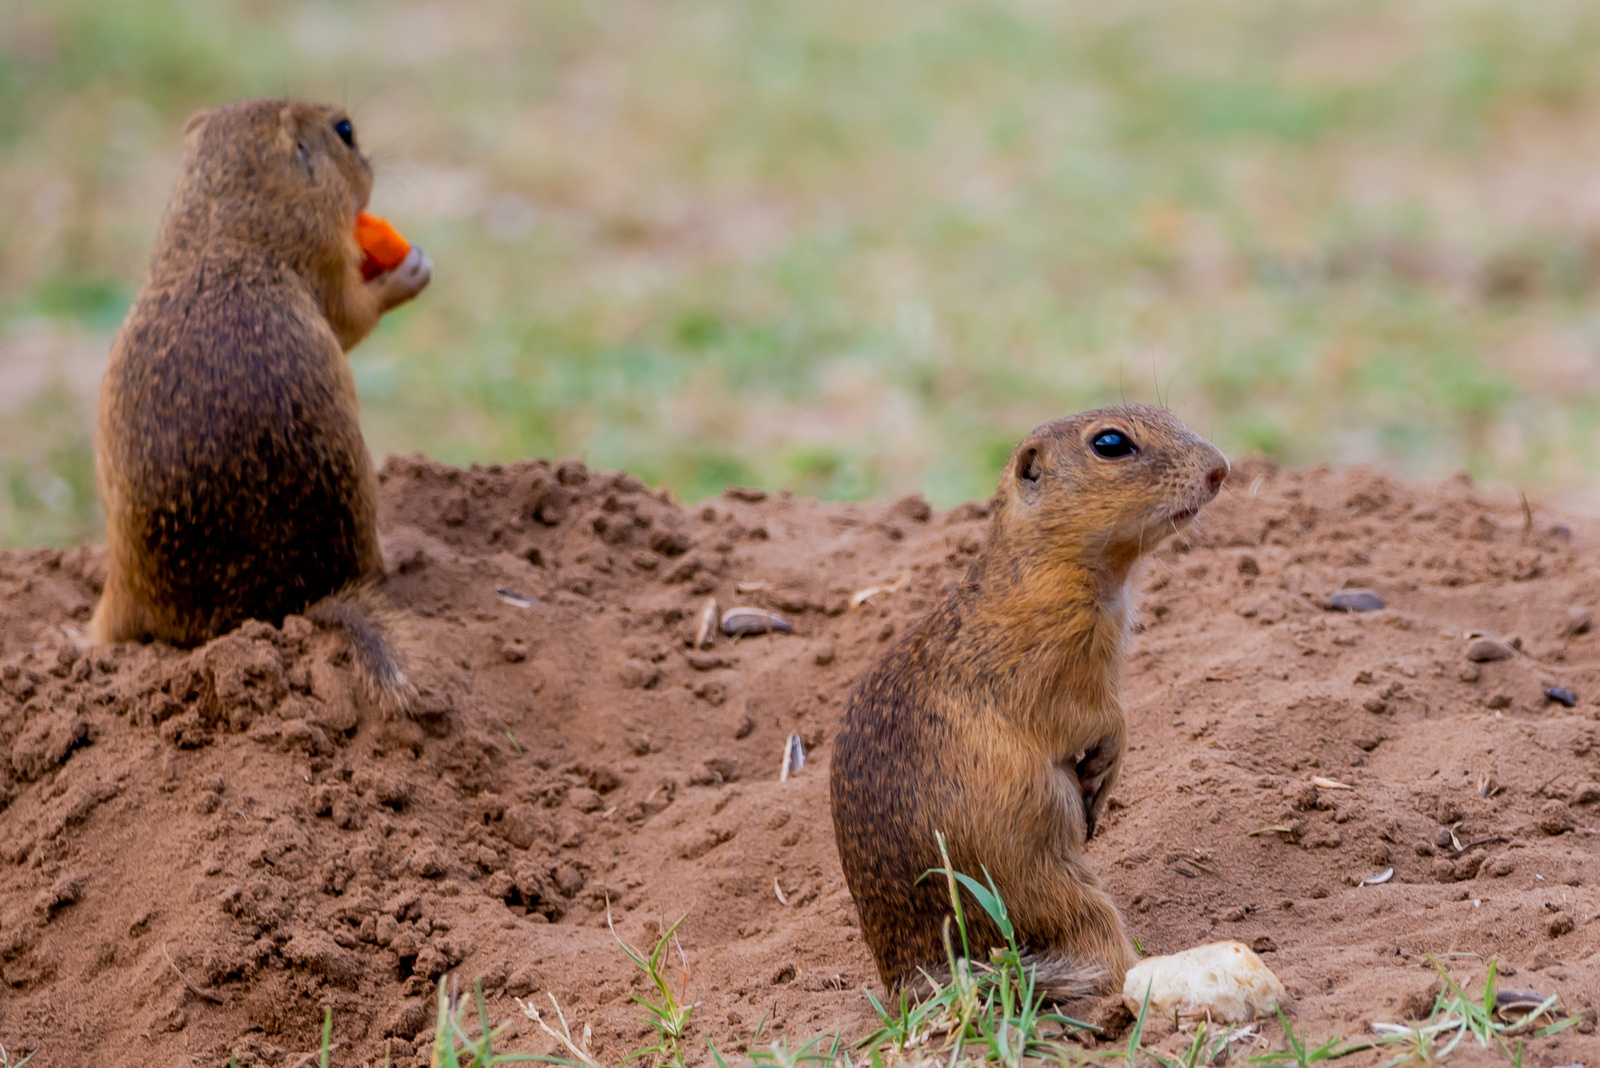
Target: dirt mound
(200, 850)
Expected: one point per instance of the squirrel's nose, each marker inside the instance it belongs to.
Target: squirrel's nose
(1215, 478)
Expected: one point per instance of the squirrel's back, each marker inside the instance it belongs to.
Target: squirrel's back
(244, 490)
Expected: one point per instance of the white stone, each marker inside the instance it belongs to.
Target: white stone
(1223, 980)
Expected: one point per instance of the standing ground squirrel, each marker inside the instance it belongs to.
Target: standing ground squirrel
(997, 719)
(229, 455)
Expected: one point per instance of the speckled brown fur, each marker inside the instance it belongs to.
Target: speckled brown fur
(229, 453)
(997, 718)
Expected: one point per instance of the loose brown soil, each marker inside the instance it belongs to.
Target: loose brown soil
(200, 850)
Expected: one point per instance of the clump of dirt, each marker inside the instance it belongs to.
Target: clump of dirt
(200, 850)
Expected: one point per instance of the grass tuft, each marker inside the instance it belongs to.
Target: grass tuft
(454, 1046)
(1301, 1054)
(669, 1012)
(1206, 1049)
(1487, 1018)
(7, 1062)
(991, 1009)
(1455, 1015)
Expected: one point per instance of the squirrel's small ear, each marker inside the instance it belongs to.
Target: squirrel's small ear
(1028, 467)
(192, 129)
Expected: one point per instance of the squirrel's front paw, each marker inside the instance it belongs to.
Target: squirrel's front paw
(408, 279)
(1095, 771)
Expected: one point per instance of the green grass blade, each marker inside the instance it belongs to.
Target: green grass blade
(989, 901)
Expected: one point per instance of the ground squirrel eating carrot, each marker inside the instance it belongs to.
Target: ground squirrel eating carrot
(229, 454)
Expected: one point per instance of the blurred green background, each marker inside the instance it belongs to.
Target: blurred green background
(859, 247)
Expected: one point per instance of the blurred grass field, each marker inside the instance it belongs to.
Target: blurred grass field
(860, 248)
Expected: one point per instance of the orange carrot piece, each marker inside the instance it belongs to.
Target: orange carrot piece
(383, 247)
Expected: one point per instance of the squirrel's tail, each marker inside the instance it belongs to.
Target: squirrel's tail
(365, 619)
(1056, 978)
(1062, 980)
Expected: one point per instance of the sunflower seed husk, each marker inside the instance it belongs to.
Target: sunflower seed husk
(861, 597)
(747, 620)
(512, 597)
(1354, 601)
(794, 758)
(1561, 696)
(706, 632)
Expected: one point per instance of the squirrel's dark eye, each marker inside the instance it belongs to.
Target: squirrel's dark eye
(1112, 444)
(346, 132)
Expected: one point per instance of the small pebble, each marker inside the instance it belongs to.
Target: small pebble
(1224, 981)
(1556, 818)
(1561, 695)
(1481, 650)
(1354, 601)
(1578, 621)
(914, 508)
(710, 617)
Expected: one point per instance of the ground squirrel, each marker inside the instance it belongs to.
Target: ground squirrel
(228, 451)
(997, 720)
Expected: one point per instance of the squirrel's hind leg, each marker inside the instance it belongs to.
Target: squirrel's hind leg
(1079, 924)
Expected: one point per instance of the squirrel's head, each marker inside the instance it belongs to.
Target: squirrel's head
(284, 172)
(1100, 488)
